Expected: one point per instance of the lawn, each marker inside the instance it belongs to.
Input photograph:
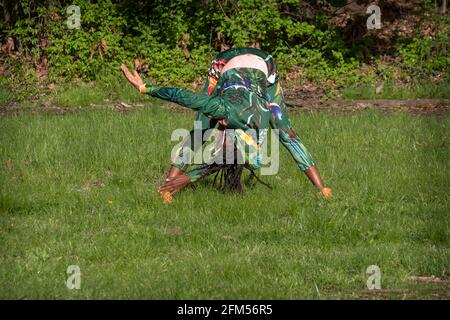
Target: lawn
(80, 189)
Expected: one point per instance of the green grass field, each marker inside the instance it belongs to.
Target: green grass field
(80, 189)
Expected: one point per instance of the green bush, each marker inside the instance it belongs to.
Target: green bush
(174, 41)
(429, 54)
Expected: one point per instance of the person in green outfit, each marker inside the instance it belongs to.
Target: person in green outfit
(237, 78)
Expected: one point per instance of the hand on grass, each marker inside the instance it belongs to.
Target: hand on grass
(326, 192)
(133, 78)
(167, 197)
(175, 184)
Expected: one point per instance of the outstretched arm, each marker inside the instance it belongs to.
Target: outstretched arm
(303, 159)
(291, 141)
(212, 106)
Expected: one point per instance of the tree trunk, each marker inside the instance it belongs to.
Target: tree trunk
(444, 7)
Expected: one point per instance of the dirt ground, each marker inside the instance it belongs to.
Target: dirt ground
(296, 100)
(417, 106)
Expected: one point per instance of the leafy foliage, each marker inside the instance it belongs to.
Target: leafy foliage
(172, 42)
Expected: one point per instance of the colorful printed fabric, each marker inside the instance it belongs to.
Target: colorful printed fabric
(278, 120)
(238, 102)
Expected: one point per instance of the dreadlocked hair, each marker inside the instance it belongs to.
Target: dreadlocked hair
(227, 177)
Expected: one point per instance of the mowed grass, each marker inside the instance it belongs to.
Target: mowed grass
(80, 189)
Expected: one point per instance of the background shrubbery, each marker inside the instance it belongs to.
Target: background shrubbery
(172, 42)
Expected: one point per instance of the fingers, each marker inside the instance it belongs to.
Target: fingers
(124, 69)
(134, 79)
(137, 78)
(167, 197)
(327, 192)
(175, 184)
(126, 72)
(168, 187)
